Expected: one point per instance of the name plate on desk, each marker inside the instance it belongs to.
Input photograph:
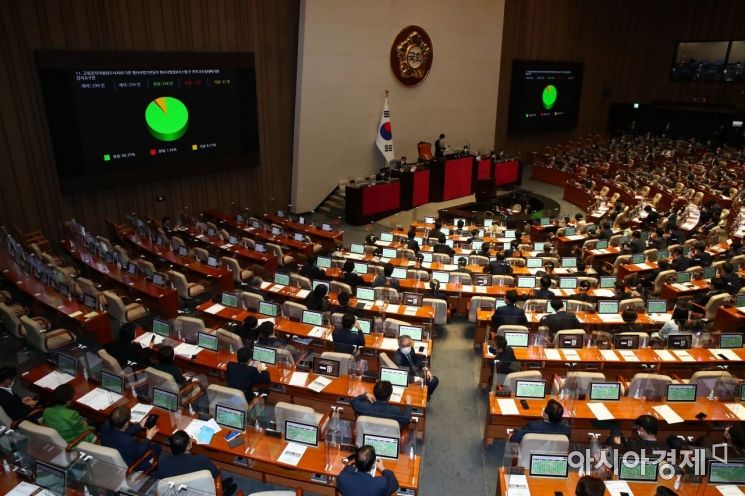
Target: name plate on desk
(628, 355)
(609, 355)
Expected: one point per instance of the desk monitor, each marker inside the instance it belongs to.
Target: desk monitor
(233, 240)
(276, 231)
(260, 248)
(211, 233)
(90, 301)
(165, 399)
(538, 246)
(321, 283)
(207, 341)
(326, 366)
(229, 300)
(663, 254)
(360, 268)
(450, 243)
(570, 231)
(230, 417)
(298, 432)
(112, 382)
(132, 268)
(301, 220)
(298, 237)
(574, 341)
(256, 224)
(544, 221)
(656, 306)
(390, 253)
(683, 277)
(213, 261)
(385, 446)
(488, 222)
(283, 279)
(67, 364)
(526, 282)
(443, 277)
(681, 392)
(605, 391)
(549, 466)
(477, 245)
(357, 249)
(643, 470)
(626, 341)
(64, 290)
(679, 341)
(730, 472)
(624, 240)
(414, 332)
(482, 279)
(367, 294)
(602, 244)
(412, 299)
(429, 220)
(51, 478)
(730, 340)
(161, 327)
(326, 227)
(686, 250)
(426, 256)
(568, 283)
(638, 258)
(709, 273)
(530, 389)
(534, 263)
(517, 339)
(607, 307)
(264, 354)
(569, 262)
(387, 237)
(419, 240)
(323, 262)
(607, 282)
(270, 309)
(510, 233)
(312, 318)
(399, 273)
(159, 279)
(740, 300)
(365, 325)
(397, 377)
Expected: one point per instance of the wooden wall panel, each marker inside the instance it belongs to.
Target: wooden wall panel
(30, 196)
(627, 48)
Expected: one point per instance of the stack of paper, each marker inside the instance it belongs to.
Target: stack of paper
(265, 285)
(609, 355)
(303, 293)
(317, 332)
(397, 393)
(618, 487)
(276, 288)
(298, 379)
(392, 308)
(729, 490)
(570, 354)
(731, 355)
(600, 411)
(145, 339)
(139, 411)
(613, 318)
(202, 430)
(517, 485)
(186, 350)
(737, 409)
(24, 489)
(411, 311)
(292, 454)
(507, 406)
(604, 293)
(53, 379)
(389, 344)
(215, 309)
(319, 384)
(100, 399)
(668, 414)
(552, 354)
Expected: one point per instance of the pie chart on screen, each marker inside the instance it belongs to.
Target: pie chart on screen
(549, 96)
(167, 118)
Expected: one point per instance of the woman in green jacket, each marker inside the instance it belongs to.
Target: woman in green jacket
(63, 419)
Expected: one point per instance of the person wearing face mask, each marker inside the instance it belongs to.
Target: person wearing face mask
(645, 428)
(405, 358)
(15, 406)
(359, 478)
(550, 423)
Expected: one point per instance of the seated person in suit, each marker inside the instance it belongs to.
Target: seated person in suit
(587, 485)
(254, 285)
(343, 307)
(499, 267)
(411, 243)
(606, 232)
(350, 337)
(582, 294)
(644, 437)
(560, 320)
(509, 313)
(376, 404)
(435, 233)
(350, 277)
(181, 462)
(311, 270)
(385, 278)
(700, 256)
(549, 424)
(730, 278)
(60, 417)
(247, 329)
(543, 292)
(462, 264)
(119, 433)
(678, 322)
(652, 217)
(359, 479)
(405, 358)
(619, 292)
(581, 270)
(441, 247)
(658, 239)
(15, 406)
(125, 351)
(504, 354)
(636, 244)
(698, 303)
(317, 299)
(165, 364)
(267, 336)
(679, 262)
(242, 375)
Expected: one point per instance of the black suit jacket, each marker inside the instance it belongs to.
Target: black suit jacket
(412, 361)
(413, 244)
(439, 149)
(605, 234)
(346, 339)
(243, 376)
(352, 482)
(560, 321)
(637, 246)
(352, 279)
(500, 268)
(508, 315)
(311, 271)
(680, 263)
(13, 405)
(126, 443)
(175, 465)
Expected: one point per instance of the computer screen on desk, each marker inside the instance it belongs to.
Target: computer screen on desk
(534, 263)
(626, 341)
(638, 258)
(390, 253)
(510, 233)
(538, 246)
(605, 391)
(298, 237)
(270, 309)
(357, 249)
(397, 377)
(264, 354)
(312, 318)
(321, 283)
(385, 446)
(663, 254)
(482, 280)
(740, 300)
(477, 245)
(568, 283)
(549, 466)
(708, 273)
(414, 332)
(323, 262)
(683, 277)
(681, 392)
(67, 364)
(207, 341)
(360, 268)
(727, 340)
(387, 237)
(569, 262)
(730, 472)
(530, 389)
(570, 231)
(517, 339)
(544, 221)
(656, 306)
(260, 248)
(365, 325)
(367, 294)
(571, 340)
(159, 279)
(229, 300)
(161, 327)
(607, 307)
(638, 470)
(443, 277)
(526, 282)
(51, 478)
(90, 301)
(679, 341)
(326, 366)
(412, 299)
(165, 399)
(399, 273)
(230, 417)
(607, 282)
(283, 279)
(602, 244)
(426, 256)
(112, 382)
(298, 432)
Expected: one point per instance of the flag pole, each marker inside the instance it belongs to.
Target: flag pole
(385, 160)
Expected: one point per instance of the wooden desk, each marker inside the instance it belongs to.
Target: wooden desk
(565, 244)
(297, 246)
(220, 275)
(95, 323)
(265, 260)
(261, 450)
(671, 293)
(164, 300)
(330, 240)
(729, 319)
(637, 269)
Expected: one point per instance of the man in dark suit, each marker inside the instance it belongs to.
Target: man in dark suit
(165, 364)
(311, 270)
(509, 314)
(376, 404)
(700, 256)
(241, 375)
(385, 278)
(499, 267)
(350, 277)
(606, 232)
(440, 146)
(561, 319)
(505, 355)
(636, 244)
(359, 479)
(658, 239)
(730, 278)
(411, 243)
(342, 307)
(317, 300)
(119, 433)
(679, 262)
(652, 217)
(549, 424)
(350, 337)
(15, 407)
(182, 462)
(441, 247)
(544, 290)
(405, 357)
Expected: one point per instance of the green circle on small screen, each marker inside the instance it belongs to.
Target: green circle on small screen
(167, 118)
(549, 96)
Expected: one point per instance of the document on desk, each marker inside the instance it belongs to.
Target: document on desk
(517, 485)
(367, 305)
(552, 354)
(24, 489)
(214, 309)
(605, 293)
(389, 344)
(479, 289)
(507, 406)
(613, 318)
(74, 314)
(643, 266)
(411, 311)
(139, 411)
(292, 454)
(302, 293)
(276, 288)
(660, 317)
(397, 394)
(729, 490)
(668, 414)
(202, 430)
(319, 384)
(617, 487)
(99, 399)
(684, 356)
(427, 265)
(731, 355)
(609, 355)
(737, 409)
(628, 355)
(317, 332)
(299, 379)
(54, 379)
(600, 411)
(269, 319)
(187, 350)
(392, 308)
(570, 354)
(145, 338)
(265, 285)
(665, 356)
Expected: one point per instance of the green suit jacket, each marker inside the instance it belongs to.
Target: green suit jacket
(67, 422)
